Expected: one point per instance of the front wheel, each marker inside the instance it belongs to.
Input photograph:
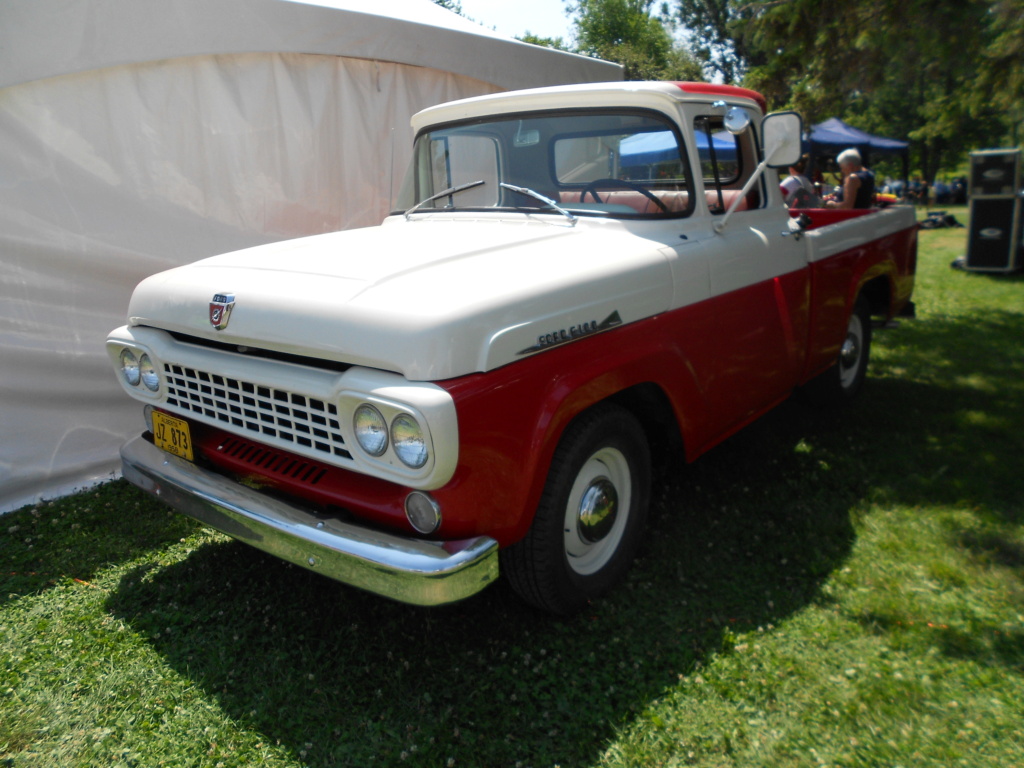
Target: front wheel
(591, 515)
(843, 381)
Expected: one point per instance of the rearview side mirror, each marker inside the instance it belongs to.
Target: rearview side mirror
(736, 121)
(782, 133)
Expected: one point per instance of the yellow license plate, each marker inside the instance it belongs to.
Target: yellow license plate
(172, 435)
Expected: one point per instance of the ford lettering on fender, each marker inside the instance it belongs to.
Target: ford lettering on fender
(573, 279)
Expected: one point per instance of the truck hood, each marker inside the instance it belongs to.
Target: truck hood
(431, 298)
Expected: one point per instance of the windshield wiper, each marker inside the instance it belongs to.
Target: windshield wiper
(538, 196)
(444, 193)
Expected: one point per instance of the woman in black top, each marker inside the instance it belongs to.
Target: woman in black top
(858, 189)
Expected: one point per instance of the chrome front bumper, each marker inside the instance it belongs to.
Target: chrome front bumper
(401, 568)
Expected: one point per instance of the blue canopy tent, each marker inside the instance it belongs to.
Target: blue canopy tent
(829, 138)
(661, 146)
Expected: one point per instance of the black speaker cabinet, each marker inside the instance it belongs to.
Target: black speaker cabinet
(995, 173)
(995, 241)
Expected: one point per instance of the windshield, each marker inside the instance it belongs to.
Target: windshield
(624, 164)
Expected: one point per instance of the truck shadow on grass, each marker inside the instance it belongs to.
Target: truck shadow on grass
(75, 537)
(346, 678)
(740, 540)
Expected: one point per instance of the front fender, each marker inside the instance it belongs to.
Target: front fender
(511, 419)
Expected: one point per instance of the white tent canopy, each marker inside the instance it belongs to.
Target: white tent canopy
(136, 135)
(45, 38)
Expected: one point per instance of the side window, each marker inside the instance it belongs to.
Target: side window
(726, 162)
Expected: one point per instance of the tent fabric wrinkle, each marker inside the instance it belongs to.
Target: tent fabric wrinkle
(142, 135)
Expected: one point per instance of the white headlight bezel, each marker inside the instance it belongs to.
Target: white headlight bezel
(433, 410)
(395, 451)
(119, 350)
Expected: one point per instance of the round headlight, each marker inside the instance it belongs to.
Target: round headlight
(148, 373)
(371, 430)
(130, 367)
(407, 437)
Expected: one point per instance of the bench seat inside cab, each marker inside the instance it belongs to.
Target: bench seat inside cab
(631, 201)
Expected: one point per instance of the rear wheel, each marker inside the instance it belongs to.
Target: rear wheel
(591, 516)
(843, 381)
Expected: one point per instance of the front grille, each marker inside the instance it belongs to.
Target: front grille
(293, 417)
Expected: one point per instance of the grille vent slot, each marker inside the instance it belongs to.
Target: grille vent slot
(269, 461)
(307, 423)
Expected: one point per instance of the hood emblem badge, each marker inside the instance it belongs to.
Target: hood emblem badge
(220, 310)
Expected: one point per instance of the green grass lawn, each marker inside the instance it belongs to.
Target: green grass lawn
(824, 589)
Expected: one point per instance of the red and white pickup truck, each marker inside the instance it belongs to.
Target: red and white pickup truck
(575, 280)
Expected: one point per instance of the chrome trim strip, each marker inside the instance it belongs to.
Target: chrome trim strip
(398, 567)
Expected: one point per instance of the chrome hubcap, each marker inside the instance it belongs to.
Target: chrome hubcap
(850, 351)
(598, 510)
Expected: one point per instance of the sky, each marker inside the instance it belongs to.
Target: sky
(544, 18)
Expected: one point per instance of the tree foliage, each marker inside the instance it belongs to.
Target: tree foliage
(547, 42)
(947, 74)
(452, 5)
(709, 25)
(1001, 74)
(625, 31)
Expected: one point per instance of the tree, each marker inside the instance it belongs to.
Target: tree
(452, 5)
(941, 72)
(710, 26)
(624, 31)
(1002, 67)
(547, 42)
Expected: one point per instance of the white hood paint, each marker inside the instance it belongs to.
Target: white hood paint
(431, 298)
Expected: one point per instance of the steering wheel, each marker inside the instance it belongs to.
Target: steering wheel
(592, 189)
